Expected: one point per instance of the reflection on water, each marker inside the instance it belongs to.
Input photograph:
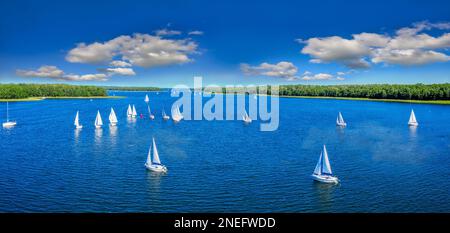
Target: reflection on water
(324, 194)
(98, 135)
(154, 180)
(131, 120)
(113, 134)
(77, 135)
(413, 131)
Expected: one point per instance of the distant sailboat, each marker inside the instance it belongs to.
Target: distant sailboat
(176, 114)
(76, 122)
(340, 121)
(150, 113)
(322, 172)
(154, 164)
(98, 121)
(112, 118)
(8, 123)
(129, 111)
(246, 118)
(146, 99)
(412, 119)
(165, 116)
(133, 113)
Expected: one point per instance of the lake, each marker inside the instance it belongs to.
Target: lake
(224, 166)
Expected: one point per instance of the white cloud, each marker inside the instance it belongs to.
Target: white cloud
(119, 64)
(139, 49)
(195, 33)
(340, 78)
(321, 76)
(42, 72)
(283, 69)
(335, 48)
(121, 71)
(167, 32)
(409, 46)
(53, 72)
(408, 56)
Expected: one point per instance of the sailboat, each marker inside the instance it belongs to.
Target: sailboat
(176, 114)
(76, 122)
(412, 119)
(8, 123)
(98, 121)
(246, 118)
(150, 113)
(154, 164)
(129, 111)
(340, 121)
(146, 99)
(322, 172)
(133, 113)
(112, 118)
(165, 116)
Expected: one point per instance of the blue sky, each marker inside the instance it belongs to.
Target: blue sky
(225, 42)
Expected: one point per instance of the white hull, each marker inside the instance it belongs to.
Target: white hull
(78, 127)
(413, 124)
(98, 126)
(247, 121)
(9, 124)
(177, 119)
(166, 118)
(156, 168)
(341, 124)
(325, 179)
(152, 117)
(113, 123)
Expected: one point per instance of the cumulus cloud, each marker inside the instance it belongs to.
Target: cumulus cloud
(195, 33)
(53, 72)
(308, 76)
(139, 49)
(42, 72)
(120, 71)
(119, 64)
(408, 46)
(283, 69)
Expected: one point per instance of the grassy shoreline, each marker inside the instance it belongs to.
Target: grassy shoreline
(61, 97)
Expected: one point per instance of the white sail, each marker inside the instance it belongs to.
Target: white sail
(129, 111)
(412, 118)
(98, 120)
(112, 117)
(176, 114)
(340, 119)
(134, 113)
(148, 109)
(146, 99)
(164, 113)
(326, 168)
(318, 169)
(149, 156)
(155, 154)
(76, 122)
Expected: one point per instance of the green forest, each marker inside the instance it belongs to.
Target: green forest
(372, 91)
(22, 91)
(114, 88)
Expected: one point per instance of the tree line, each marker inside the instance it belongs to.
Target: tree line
(20, 91)
(372, 91)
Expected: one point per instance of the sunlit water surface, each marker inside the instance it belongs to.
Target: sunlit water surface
(224, 166)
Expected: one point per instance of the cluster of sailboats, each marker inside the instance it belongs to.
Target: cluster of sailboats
(322, 172)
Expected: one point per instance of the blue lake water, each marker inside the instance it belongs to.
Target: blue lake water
(224, 166)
